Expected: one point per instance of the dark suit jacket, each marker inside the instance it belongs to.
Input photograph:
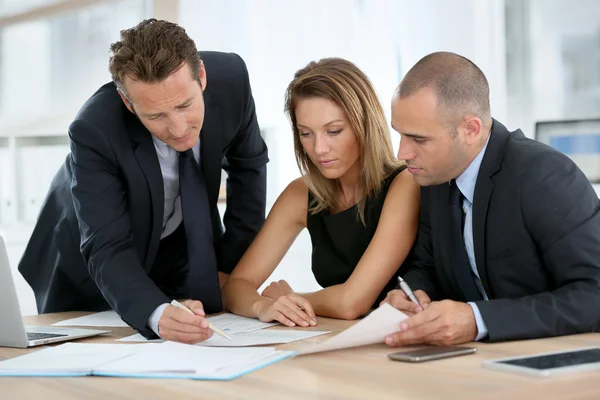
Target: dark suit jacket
(99, 229)
(536, 229)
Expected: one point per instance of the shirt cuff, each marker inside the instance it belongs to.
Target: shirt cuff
(155, 317)
(482, 330)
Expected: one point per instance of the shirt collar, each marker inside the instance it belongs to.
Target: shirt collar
(165, 150)
(467, 180)
(159, 142)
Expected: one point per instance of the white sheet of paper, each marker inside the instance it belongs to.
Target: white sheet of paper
(231, 323)
(69, 358)
(177, 358)
(139, 338)
(250, 365)
(244, 339)
(372, 329)
(104, 318)
(260, 337)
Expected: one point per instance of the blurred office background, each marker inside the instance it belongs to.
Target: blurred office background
(541, 57)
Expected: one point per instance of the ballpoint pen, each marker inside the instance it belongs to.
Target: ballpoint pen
(407, 291)
(210, 325)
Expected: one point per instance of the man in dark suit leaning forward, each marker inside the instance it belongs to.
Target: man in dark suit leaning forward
(131, 219)
(509, 238)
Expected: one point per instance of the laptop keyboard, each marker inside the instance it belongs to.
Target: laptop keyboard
(38, 335)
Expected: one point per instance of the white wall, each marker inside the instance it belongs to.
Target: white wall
(384, 38)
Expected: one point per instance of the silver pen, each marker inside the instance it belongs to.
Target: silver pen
(407, 291)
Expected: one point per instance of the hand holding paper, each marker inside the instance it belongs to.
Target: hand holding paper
(372, 329)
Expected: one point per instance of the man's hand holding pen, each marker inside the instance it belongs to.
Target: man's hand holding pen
(398, 299)
(439, 323)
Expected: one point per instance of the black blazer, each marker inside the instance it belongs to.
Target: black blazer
(536, 232)
(99, 228)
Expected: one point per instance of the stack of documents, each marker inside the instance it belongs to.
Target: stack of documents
(165, 360)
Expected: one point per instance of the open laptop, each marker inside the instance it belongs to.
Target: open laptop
(13, 333)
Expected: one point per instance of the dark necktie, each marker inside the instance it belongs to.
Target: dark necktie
(459, 258)
(203, 279)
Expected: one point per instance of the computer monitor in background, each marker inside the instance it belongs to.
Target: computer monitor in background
(578, 139)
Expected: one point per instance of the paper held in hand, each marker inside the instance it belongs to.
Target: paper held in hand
(372, 329)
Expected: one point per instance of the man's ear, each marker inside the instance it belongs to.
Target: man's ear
(472, 128)
(202, 76)
(128, 103)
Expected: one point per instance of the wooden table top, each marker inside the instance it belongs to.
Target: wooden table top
(357, 373)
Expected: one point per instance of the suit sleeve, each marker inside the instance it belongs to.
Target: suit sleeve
(245, 164)
(561, 210)
(105, 227)
(421, 275)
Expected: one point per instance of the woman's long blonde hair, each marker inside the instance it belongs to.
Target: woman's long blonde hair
(347, 86)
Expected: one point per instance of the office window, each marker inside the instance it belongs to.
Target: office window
(50, 66)
(14, 6)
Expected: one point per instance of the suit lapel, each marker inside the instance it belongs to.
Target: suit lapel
(145, 154)
(484, 187)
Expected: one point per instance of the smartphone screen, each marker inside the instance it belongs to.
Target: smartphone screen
(431, 353)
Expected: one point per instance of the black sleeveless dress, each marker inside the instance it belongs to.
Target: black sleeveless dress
(339, 240)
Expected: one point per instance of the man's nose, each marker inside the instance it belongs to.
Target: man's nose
(405, 151)
(177, 126)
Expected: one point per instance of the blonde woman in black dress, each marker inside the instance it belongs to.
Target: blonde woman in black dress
(356, 199)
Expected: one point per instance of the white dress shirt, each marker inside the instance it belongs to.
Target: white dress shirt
(172, 215)
(466, 184)
(169, 166)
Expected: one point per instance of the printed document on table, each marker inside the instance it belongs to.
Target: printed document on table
(231, 323)
(372, 329)
(255, 338)
(104, 318)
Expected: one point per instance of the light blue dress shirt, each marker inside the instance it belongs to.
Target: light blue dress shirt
(172, 215)
(466, 184)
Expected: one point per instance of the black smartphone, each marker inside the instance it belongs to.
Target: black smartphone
(431, 353)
